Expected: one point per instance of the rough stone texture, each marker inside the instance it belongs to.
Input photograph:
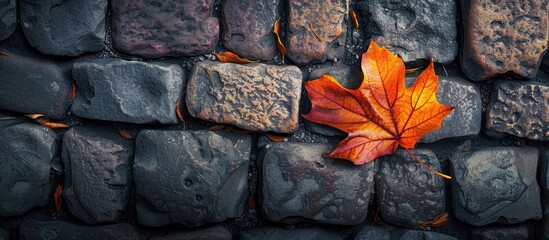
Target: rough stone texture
(276, 233)
(370, 233)
(328, 19)
(98, 173)
(8, 18)
(520, 109)
(34, 85)
(466, 118)
(155, 29)
(248, 27)
(210, 233)
(256, 97)
(424, 235)
(127, 91)
(501, 233)
(26, 151)
(415, 30)
(68, 28)
(496, 185)
(58, 230)
(297, 184)
(190, 177)
(408, 193)
(503, 36)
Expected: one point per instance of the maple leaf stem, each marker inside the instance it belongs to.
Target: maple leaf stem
(425, 165)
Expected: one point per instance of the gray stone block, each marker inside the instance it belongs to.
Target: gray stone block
(276, 233)
(406, 192)
(256, 97)
(67, 28)
(26, 152)
(210, 233)
(248, 27)
(496, 185)
(34, 85)
(189, 177)
(415, 30)
(520, 109)
(298, 184)
(59, 230)
(127, 91)
(424, 235)
(8, 18)
(154, 29)
(520, 232)
(98, 173)
(370, 233)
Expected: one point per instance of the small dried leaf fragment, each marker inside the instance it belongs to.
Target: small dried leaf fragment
(57, 197)
(3, 54)
(45, 121)
(279, 43)
(251, 202)
(178, 111)
(73, 93)
(55, 125)
(413, 70)
(125, 134)
(314, 32)
(217, 127)
(275, 138)
(439, 221)
(230, 57)
(354, 18)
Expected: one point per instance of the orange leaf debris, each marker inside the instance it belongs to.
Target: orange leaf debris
(439, 221)
(230, 57)
(354, 18)
(382, 113)
(125, 134)
(274, 138)
(279, 43)
(57, 197)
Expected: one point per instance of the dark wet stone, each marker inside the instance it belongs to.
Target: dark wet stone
(545, 64)
(466, 118)
(210, 233)
(496, 185)
(370, 232)
(501, 233)
(155, 29)
(248, 27)
(4, 235)
(544, 185)
(406, 192)
(8, 18)
(348, 77)
(503, 36)
(34, 85)
(415, 30)
(59, 230)
(68, 28)
(190, 177)
(255, 97)
(26, 152)
(127, 91)
(98, 173)
(424, 235)
(328, 20)
(298, 184)
(520, 109)
(276, 233)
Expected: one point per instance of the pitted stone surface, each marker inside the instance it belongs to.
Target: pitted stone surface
(502, 233)
(277, 233)
(127, 91)
(408, 193)
(297, 184)
(348, 77)
(98, 173)
(256, 97)
(248, 27)
(34, 85)
(466, 118)
(415, 30)
(424, 235)
(68, 28)
(8, 18)
(189, 177)
(371, 232)
(210, 233)
(520, 109)
(155, 29)
(63, 230)
(26, 151)
(503, 36)
(496, 185)
(328, 20)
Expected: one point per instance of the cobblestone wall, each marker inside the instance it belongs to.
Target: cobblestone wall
(163, 141)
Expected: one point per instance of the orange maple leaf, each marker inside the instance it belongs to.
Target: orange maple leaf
(382, 113)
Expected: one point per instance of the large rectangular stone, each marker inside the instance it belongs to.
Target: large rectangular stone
(256, 97)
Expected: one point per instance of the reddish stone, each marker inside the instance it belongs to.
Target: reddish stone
(155, 29)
